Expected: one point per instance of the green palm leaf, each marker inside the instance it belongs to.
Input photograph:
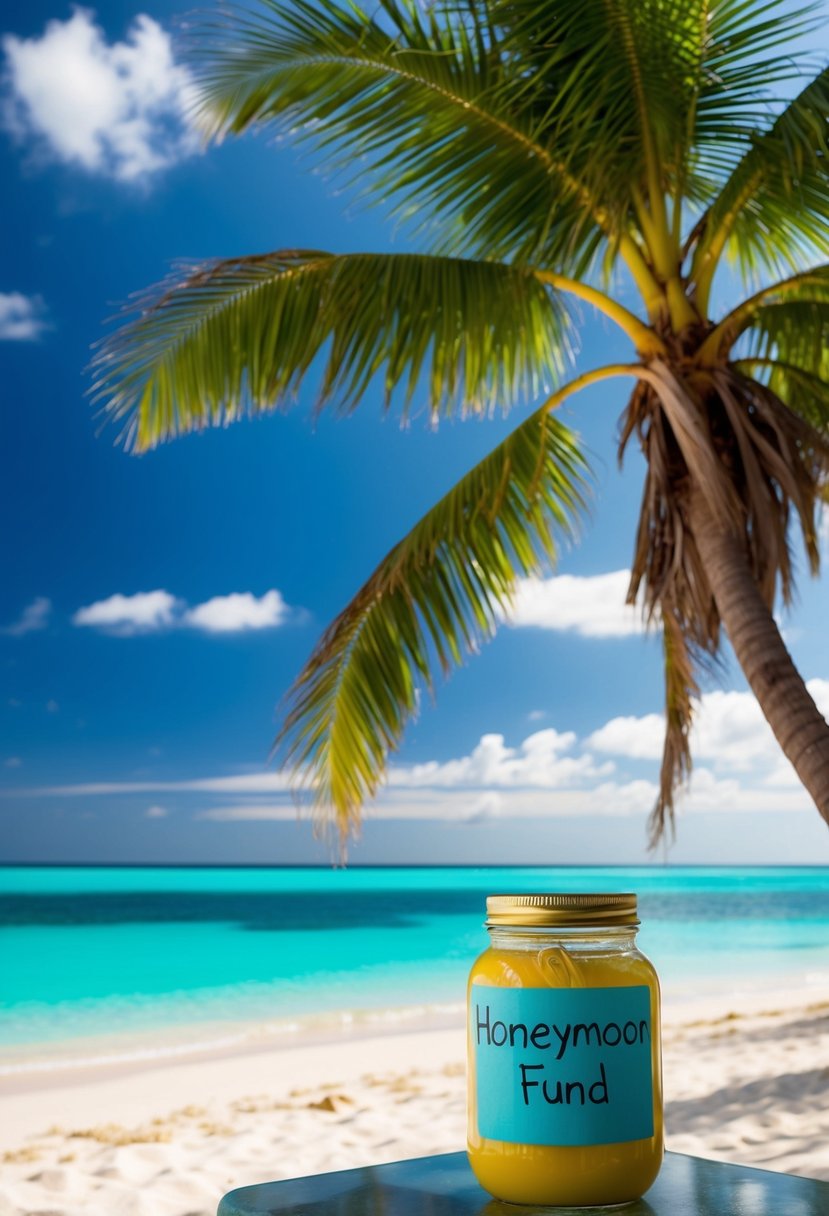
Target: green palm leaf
(434, 598)
(738, 45)
(240, 336)
(781, 338)
(794, 332)
(774, 314)
(773, 211)
(411, 103)
(628, 89)
(622, 66)
(521, 131)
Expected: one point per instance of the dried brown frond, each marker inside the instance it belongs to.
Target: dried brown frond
(763, 466)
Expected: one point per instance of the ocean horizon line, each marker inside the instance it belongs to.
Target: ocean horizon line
(396, 865)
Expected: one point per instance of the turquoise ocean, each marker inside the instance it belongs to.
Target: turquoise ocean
(94, 959)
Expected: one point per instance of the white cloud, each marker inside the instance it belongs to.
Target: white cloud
(639, 738)
(259, 782)
(591, 606)
(34, 616)
(487, 807)
(238, 612)
(710, 792)
(466, 806)
(606, 798)
(21, 317)
(153, 611)
(627, 796)
(729, 732)
(52, 706)
(248, 812)
(538, 761)
(623, 797)
(156, 812)
(126, 615)
(12, 762)
(120, 109)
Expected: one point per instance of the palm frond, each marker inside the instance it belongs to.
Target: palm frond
(670, 580)
(791, 418)
(773, 210)
(616, 84)
(771, 311)
(681, 689)
(606, 80)
(805, 393)
(239, 337)
(793, 332)
(436, 596)
(764, 464)
(782, 341)
(411, 101)
(518, 129)
(741, 67)
(655, 570)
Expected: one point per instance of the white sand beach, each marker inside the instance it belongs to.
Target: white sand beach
(745, 1080)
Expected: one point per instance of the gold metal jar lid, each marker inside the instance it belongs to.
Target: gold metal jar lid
(561, 909)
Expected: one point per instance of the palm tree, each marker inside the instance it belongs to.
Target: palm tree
(549, 150)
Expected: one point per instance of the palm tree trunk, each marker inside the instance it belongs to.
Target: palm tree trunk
(798, 725)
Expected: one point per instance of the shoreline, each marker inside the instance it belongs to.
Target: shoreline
(39, 1064)
(316, 1043)
(45, 1063)
(745, 1080)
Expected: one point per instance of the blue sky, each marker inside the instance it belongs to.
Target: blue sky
(155, 610)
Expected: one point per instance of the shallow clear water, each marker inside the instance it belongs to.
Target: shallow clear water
(89, 952)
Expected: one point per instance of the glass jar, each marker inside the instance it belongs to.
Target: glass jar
(565, 1068)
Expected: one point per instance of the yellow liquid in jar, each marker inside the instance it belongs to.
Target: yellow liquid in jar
(566, 1175)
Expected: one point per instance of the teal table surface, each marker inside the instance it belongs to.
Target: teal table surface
(445, 1186)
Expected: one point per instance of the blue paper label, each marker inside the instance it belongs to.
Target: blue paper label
(562, 1065)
